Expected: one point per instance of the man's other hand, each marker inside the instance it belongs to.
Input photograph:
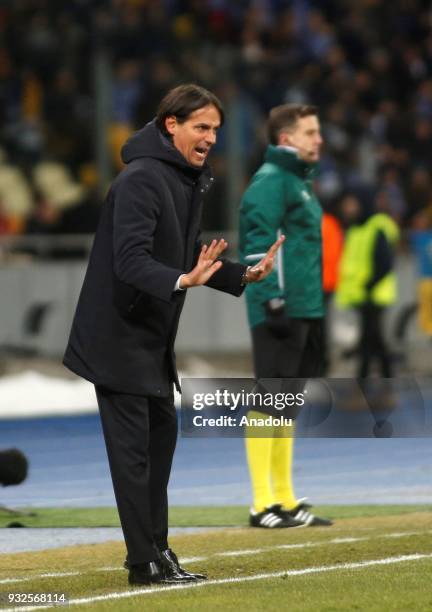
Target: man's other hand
(265, 266)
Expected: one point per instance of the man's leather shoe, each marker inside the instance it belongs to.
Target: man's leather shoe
(145, 573)
(168, 570)
(171, 567)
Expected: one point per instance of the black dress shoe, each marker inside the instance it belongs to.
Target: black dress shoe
(145, 573)
(171, 567)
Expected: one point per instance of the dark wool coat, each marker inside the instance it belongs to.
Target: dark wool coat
(126, 321)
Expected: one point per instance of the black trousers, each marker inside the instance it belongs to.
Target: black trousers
(140, 437)
(299, 355)
(372, 341)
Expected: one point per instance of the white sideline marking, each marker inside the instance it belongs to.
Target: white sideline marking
(193, 559)
(238, 553)
(230, 553)
(196, 585)
(46, 575)
(235, 553)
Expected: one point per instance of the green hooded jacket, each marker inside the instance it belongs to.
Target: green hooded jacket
(280, 200)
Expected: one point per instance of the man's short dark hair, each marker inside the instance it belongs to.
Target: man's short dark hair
(13, 467)
(284, 117)
(182, 101)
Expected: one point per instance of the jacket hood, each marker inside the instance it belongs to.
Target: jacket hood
(150, 142)
(287, 158)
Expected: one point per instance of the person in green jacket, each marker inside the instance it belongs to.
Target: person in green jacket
(285, 311)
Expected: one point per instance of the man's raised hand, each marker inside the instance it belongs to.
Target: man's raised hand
(206, 265)
(265, 266)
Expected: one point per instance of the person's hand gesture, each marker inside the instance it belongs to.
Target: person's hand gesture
(206, 265)
(263, 268)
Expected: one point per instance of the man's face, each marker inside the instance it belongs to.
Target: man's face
(305, 136)
(350, 208)
(195, 137)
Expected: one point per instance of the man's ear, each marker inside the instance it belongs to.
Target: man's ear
(285, 139)
(170, 124)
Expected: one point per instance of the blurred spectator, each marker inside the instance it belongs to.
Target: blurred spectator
(44, 218)
(422, 245)
(391, 194)
(61, 205)
(68, 115)
(367, 280)
(332, 245)
(419, 193)
(15, 197)
(126, 90)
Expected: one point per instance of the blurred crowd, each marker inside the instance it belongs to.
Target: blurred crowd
(366, 64)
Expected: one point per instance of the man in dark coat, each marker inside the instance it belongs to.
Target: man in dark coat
(145, 254)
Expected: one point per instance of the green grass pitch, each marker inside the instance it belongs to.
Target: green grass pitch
(378, 562)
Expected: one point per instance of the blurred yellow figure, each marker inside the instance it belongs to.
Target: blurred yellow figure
(367, 280)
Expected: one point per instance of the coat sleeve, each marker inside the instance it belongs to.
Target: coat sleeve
(227, 278)
(262, 210)
(135, 218)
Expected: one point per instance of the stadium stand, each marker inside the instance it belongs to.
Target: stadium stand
(377, 127)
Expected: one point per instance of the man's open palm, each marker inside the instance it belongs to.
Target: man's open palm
(263, 268)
